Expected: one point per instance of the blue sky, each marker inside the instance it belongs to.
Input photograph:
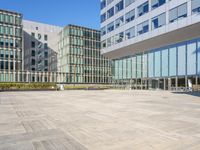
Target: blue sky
(57, 12)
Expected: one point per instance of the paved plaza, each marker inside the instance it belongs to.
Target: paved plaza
(99, 120)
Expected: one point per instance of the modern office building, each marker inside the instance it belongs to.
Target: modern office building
(10, 46)
(40, 46)
(37, 52)
(79, 50)
(154, 43)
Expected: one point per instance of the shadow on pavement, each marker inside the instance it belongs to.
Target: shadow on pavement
(189, 93)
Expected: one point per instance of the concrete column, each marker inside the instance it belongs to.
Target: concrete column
(18, 76)
(186, 83)
(149, 83)
(169, 84)
(35, 75)
(158, 83)
(27, 76)
(49, 77)
(164, 84)
(196, 81)
(30, 77)
(43, 76)
(39, 77)
(14, 76)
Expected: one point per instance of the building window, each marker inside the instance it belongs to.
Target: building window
(39, 45)
(157, 3)
(11, 54)
(46, 62)
(110, 27)
(6, 42)
(45, 37)
(195, 6)
(103, 44)
(46, 54)
(103, 4)
(6, 18)
(6, 30)
(17, 32)
(11, 31)
(143, 9)
(18, 20)
(130, 33)
(110, 12)
(6, 54)
(11, 66)
(33, 53)
(17, 43)
(1, 30)
(33, 34)
(1, 53)
(2, 65)
(11, 43)
(33, 44)
(119, 22)
(119, 6)
(109, 1)
(178, 13)
(6, 63)
(159, 21)
(1, 42)
(143, 28)
(11, 19)
(33, 62)
(1, 18)
(119, 37)
(103, 31)
(103, 17)
(130, 16)
(45, 46)
(110, 41)
(39, 36)
(128, 2)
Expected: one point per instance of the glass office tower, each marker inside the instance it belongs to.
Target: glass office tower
(80, 58)
(154, 43)
(10, 46)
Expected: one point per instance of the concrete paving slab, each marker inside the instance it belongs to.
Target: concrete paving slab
(99, 120)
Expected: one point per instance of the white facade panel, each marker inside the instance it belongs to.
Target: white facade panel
(168, 31)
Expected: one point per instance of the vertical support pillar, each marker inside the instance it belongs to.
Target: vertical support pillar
(186, 83)
(27, 76)
(169, 84)
(35, 75)
(158, 84)
(149, 84)
(48, 77)
(14, 76)
(18, 76)
(164, 84)
(196, 81)
(136, 86)
(43, 77)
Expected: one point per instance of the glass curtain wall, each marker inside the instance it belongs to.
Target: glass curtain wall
(81, 58)
(163, 68)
